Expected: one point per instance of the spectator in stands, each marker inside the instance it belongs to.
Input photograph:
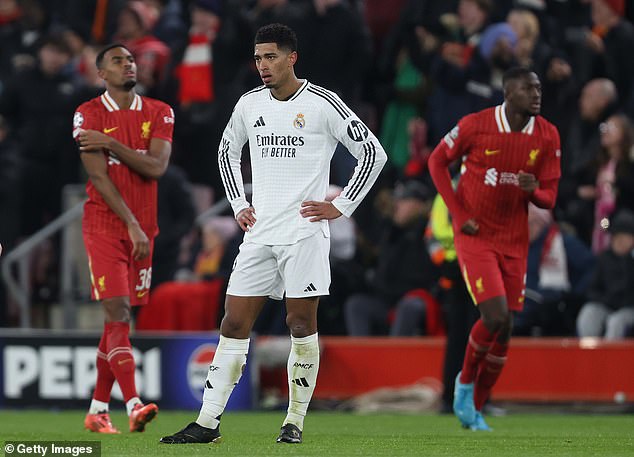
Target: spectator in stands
(134, 24)
(406, 106)
(558, 274)
(449, 49)
(597, 102)
(610, 310)
(339, 28)
(614, 176)
(19, 37)
(402, 266)
(205, 83)
(476, 84)
(170, 25)
(532, 51)
(611, 41)
(38, 104)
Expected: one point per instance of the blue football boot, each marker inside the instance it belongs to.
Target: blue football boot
(479, 424)
(463, 406)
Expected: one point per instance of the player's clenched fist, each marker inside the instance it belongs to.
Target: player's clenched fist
(527, 181)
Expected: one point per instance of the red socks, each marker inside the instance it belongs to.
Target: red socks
(480, 340)
(489, 372)
(120, 357)
(105, 376)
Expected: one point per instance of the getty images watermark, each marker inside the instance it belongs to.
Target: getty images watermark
(52, 448)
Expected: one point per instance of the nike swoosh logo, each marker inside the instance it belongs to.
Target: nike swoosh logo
(121, 362)
(141, 294)
(490, 152)
(110, 130)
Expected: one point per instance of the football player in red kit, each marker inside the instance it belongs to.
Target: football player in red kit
(125, 144)
(510, 157)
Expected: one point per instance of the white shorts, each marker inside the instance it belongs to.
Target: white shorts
(301, 269)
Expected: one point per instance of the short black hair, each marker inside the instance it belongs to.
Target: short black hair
(515, 73)
(102, 53)
(279, 34)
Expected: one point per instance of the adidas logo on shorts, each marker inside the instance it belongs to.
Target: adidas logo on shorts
(311, 288)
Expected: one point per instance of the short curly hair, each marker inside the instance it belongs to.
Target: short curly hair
(279, 34)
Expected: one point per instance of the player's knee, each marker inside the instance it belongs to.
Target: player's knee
(117, 309)
(497, 322)
(234, 327)
(300, 325)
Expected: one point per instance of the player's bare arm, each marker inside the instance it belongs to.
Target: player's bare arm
(97, 169)
(151, 165)
(318, 211)
(246, 218)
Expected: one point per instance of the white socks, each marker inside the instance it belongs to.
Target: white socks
(224, 373)
(131, 403)
(302, 367)
(97, 407)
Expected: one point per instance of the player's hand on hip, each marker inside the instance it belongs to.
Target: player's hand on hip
(470, 227)
(140, 242)
(527, 181)
(318, 211)
(246, 218)
(93, 141)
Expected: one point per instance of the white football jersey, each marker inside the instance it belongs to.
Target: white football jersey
(291, 144)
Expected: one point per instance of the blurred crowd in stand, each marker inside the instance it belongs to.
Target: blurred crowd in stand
(411, 69)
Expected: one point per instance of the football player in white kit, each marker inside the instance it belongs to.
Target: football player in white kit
(292, 127)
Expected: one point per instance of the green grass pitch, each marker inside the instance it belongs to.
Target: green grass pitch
(343, 434)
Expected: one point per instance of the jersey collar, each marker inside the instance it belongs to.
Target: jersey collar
(111, 105)
(294, 96)
(503, 123)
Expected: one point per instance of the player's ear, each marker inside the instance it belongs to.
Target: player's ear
(292, 58)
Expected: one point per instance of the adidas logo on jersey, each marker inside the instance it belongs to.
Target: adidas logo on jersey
(300, 382)
(259, 122)
(311, 288)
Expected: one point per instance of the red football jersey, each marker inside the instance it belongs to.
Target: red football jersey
(488, 188)
(134, 127)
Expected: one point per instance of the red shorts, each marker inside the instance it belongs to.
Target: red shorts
(113, 271)
(489, 273)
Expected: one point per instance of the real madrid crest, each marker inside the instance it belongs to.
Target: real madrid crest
(299, 121)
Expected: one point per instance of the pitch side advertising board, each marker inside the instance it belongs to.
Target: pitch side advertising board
(58, 370)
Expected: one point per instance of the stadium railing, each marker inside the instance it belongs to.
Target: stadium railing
(72, 263)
